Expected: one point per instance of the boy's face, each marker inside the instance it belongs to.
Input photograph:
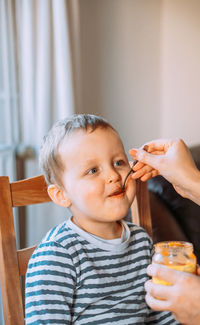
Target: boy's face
(95, 168)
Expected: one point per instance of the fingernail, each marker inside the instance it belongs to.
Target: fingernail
(133, 152)
(150, 269)
(146, 148)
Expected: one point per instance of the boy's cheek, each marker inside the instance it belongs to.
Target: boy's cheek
(93, 188)
(89, 192)
(132, 185)
(132, 191)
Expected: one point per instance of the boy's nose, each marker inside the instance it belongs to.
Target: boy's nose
(112, 177)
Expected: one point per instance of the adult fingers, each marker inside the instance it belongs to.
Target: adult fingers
(157, 304)
(158, 291)
(146, 158)
(138, 166)
(164, 273)
(158, 144)
(141, 172)
(144, 173)
(149, 175)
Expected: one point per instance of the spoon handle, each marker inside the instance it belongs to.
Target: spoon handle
(131, 171)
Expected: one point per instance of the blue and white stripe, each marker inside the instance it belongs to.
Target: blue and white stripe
(75, 278)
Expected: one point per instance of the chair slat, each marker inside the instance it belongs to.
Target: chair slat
(23, 256)
(29, 191)
(9, 273)
(142, 194)
(13, 263)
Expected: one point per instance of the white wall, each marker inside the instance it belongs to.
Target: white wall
(181, 69)
(140, 66)
(120, 59)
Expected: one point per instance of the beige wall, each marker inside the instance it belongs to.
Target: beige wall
(139, 64)
(181, 69)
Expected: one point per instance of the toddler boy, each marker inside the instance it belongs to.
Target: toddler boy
(91, 269)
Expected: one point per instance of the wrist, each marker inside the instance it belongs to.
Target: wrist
(192, 186)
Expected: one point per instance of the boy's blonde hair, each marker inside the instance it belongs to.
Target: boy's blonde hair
(50, 161)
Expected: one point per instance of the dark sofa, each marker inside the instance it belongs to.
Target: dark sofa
(173, 217)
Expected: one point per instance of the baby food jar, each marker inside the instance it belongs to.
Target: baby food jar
(176, 255)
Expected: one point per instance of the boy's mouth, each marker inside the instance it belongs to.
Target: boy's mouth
(117, 192)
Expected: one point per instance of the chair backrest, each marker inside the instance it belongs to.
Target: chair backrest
(13, 263)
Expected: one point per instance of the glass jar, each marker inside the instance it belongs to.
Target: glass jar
(176, 255)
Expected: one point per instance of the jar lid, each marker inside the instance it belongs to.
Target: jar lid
(167, 246)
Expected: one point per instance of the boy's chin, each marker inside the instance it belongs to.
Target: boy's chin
(119, 216)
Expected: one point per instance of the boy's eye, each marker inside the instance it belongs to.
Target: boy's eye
(119, 163)
(92, 171)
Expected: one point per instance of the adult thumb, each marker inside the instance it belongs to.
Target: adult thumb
(145, 157)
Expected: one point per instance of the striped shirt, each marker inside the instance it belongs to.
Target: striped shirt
(76, 278)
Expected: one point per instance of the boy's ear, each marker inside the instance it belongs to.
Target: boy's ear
(58, 196)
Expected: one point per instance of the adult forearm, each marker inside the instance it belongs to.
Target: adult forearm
(192, 188)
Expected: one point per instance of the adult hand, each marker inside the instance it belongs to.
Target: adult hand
(182, 298)
(171, 159)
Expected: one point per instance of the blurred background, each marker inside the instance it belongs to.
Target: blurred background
(134, 62)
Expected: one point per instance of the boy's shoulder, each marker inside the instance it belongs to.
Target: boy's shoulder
(55, 249)
(137, 231)
(61, 234)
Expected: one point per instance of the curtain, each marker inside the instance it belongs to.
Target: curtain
(8, 99)
(45, 71)
(35, 91)
(45, 89)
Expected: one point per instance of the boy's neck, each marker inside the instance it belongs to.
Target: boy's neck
(111, 230)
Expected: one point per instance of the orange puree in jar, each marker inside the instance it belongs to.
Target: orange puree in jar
(174, 255)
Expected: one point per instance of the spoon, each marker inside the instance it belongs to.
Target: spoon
(129, 173)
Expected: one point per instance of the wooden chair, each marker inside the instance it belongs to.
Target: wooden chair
(13, 263)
